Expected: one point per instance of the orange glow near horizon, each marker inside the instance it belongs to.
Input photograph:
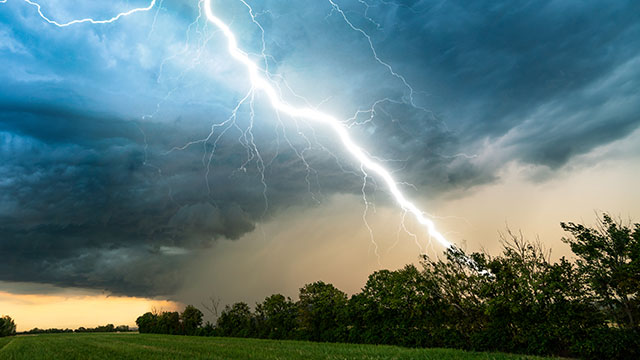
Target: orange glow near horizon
(77, 309)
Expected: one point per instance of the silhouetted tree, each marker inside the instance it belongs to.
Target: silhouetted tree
(7, 326)
(236, 321)
(122, 328)
(147, 323)
(456, 309)
(276, 317)
(394, 307)
(322, 312)
(169, 323)
(50, 331)
(191, 319)
(533, 306)
(609, 257)
(212, 306)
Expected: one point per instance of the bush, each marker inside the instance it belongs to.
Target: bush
(609, 343)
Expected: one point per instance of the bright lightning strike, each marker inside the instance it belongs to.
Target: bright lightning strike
(259, 81)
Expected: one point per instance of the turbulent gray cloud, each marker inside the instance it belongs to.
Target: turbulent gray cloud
(97, 187)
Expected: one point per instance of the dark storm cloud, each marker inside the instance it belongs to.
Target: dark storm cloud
(91, 195)
(85, 211)
(490, 68)
(51, 123)
(83, 204)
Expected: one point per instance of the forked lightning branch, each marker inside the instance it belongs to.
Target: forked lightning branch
(260, 82)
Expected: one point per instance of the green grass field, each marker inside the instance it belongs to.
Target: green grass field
(137, 346)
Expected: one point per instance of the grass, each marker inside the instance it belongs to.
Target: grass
(4, 341)
(147, 346)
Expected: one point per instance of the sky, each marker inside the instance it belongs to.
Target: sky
(138, 171)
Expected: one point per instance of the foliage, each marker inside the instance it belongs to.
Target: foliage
(171, 322)
(609, 343)
(322, 313)
(518, 301)
(275, 317)
(395, 307)
(48, 331)
(105, 328)
(7, 326)
(532, 305)
(236, 321)
(609, 257)
(191, 319)
(458, 309)
(147, 323)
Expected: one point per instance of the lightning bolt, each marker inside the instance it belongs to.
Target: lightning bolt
(374, 52)
(261, 80)
(89, 20)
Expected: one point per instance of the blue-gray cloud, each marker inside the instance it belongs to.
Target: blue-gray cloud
(92, 194)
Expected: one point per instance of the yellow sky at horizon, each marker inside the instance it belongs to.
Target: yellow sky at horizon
(80, 308)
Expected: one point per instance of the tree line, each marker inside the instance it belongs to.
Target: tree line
(519, 301)
(101, 328)
(8, 328)
(189, 322)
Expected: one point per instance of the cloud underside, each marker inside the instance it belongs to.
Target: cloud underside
(92, 194)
